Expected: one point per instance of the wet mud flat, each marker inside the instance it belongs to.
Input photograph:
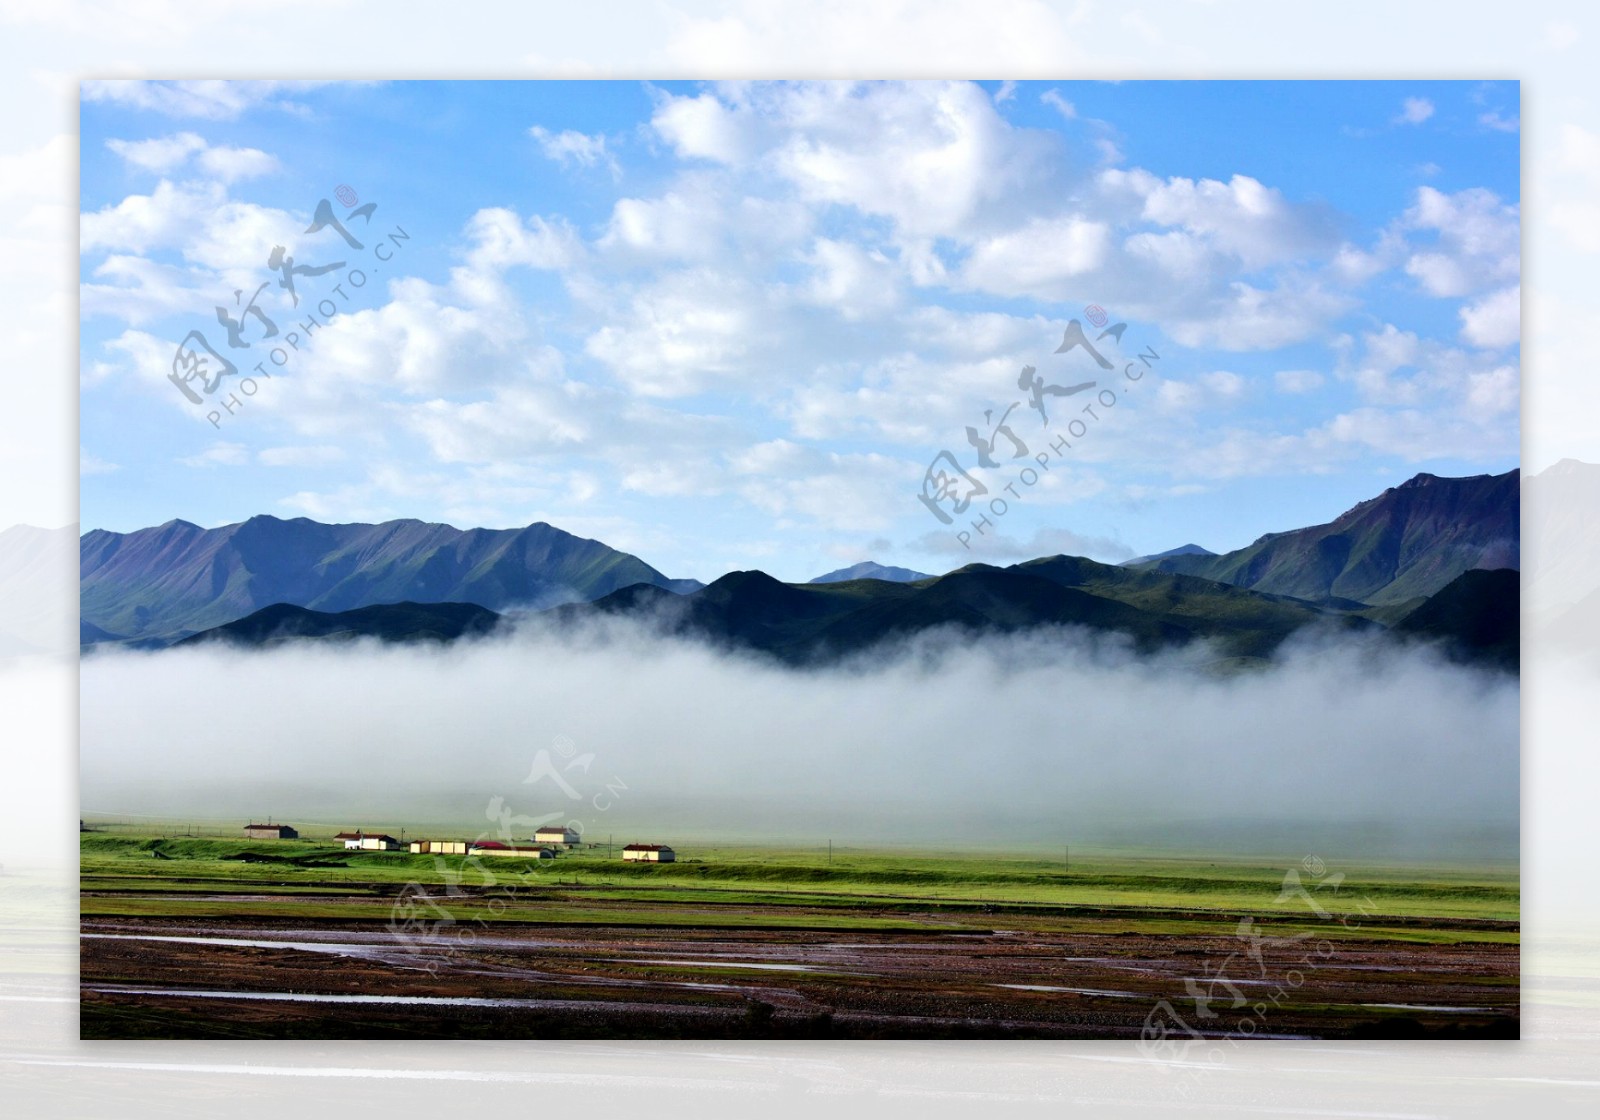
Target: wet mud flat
(927, 977)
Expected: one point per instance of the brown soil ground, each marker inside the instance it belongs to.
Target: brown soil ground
(1016, 979)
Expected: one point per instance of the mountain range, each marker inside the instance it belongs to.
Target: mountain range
(1405, 544)
(812, 623)
(1433, 558)
(162, 584)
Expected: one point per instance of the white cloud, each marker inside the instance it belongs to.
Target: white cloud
(685, 331)
(91, 465)
(1498, 123)
(165, 154)
(200, 223)
(676, 226)
(930, 157)
(137, 358)
(1242, 217)
(1415, 435)
(231, 164)
(308, 456)
(1209, 390)
(1477, 242)
(219, 454)
(1494, 392)
(1495, 321)
(704, 217)
(160, 154)
(515, 422)
(852, 492)
(1246, 317)
(854, 282)
(1298, 380)
(499, 239)
(161, 219)
(1399, 368)
(208, 100)
(575, 149)
(1060, 104)
(1039, 257)
(1415, 110)
(705, 127)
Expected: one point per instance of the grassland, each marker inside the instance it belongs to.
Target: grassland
(132, 874)
(869, 943)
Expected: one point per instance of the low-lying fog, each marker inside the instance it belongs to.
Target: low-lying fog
(1349, 747)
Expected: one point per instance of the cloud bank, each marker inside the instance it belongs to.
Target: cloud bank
(1353, 747)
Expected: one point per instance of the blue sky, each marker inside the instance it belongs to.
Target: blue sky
(731, 326)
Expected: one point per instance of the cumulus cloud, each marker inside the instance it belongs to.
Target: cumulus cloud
(165, 154)
(684, 332)
(1414, 110)
(930, 157)
(158, 154)
(574, 149)
(1042, 255)
(1242, 218)
(1495, 321)
(1477, 241)
(854, 282)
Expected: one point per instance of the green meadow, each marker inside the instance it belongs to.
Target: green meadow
(127, 874)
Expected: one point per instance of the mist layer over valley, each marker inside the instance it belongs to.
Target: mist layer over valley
(1346, 745)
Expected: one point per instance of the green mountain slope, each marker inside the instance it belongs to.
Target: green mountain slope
(1410, 541)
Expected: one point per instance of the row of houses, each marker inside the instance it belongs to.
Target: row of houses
(383, 842)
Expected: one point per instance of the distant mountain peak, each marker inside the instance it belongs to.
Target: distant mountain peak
(741, 580)
(871, 569)
(1181, 550)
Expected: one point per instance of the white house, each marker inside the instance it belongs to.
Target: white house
(653, 853)
(555, 834)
